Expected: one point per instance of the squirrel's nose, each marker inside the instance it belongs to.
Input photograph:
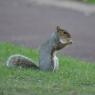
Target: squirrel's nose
(70, 41)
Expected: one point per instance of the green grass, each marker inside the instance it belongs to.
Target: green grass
(74, 77)
(89, 1)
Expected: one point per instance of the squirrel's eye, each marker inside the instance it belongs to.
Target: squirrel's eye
(65, 32)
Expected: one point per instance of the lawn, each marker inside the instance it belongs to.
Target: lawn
(74, 77)
(89, 1)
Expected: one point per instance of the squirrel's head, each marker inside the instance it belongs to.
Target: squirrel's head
(64, 36)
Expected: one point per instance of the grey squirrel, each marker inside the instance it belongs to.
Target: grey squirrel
(48, 60)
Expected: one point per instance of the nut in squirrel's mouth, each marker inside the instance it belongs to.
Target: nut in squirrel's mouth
(69, 41)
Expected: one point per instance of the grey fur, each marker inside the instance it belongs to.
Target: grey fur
(45, 53)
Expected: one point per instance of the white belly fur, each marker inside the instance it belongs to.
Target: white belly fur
(56, 62)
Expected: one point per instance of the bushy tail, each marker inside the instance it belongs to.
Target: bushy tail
(21, 61)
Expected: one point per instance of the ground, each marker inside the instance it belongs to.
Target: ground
(74, 77)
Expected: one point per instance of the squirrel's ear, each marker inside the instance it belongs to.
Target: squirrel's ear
(57, 28)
